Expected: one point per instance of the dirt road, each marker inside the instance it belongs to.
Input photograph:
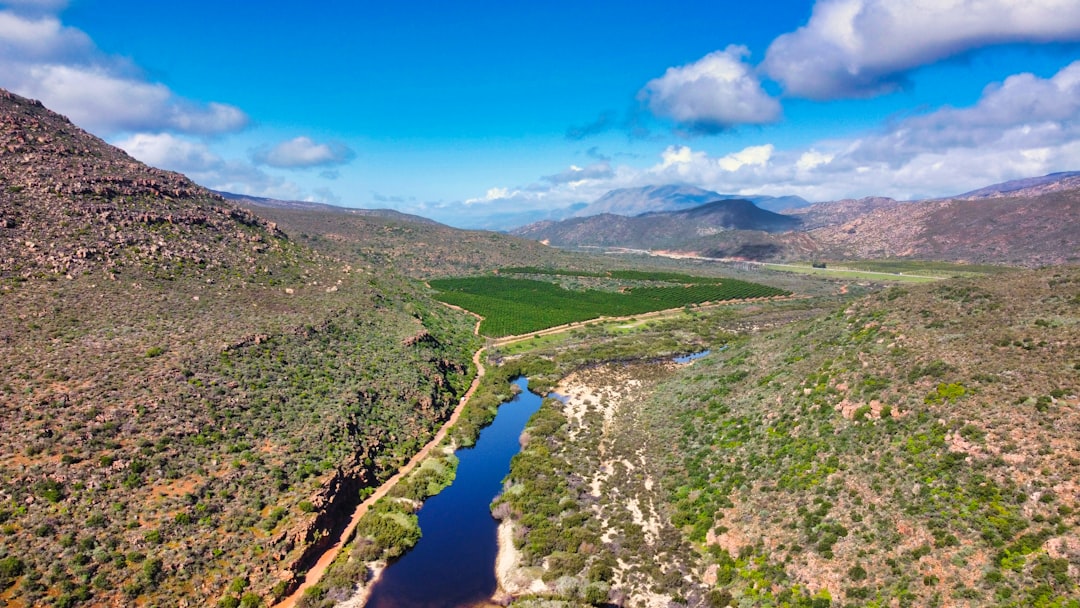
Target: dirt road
(315, 574)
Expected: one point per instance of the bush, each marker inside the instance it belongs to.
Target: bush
(10, 569)
(946, 393)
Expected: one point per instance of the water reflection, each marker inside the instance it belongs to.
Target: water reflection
(454, 562)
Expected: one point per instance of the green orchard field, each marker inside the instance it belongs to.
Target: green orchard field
(512, 306)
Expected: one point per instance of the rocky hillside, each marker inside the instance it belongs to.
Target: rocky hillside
(190, 397)
(916, 447)
(835, 213)
(71, 203)
(1024, 231)
(661, 230)
(261, 202)
(416, 246)
(1028, 187)
(1024, 223)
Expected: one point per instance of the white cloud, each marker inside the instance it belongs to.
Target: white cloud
(712, 94)
(750, 156)
(303, 152)
(812, 158)
(854, 48)
(493, 194)
(674, 156)
(43, 59)
(1022, 127)
(681, 164)
(1023, 112)
(170, 152)
(197, 161)
(44, 38)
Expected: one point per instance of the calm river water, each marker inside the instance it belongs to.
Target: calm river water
(454, 562)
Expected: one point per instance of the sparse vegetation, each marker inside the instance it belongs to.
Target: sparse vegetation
(193, 395)
(845, 460)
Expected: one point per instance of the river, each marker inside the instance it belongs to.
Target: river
(454, 562)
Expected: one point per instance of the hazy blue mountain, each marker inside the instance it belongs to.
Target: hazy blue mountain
(671, 197)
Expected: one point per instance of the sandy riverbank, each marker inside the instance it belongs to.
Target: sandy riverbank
(514, 580)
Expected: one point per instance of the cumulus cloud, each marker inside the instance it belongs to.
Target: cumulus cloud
(302, 153)
(684, 165)
(812, 158)
(859, 48)
(197, 161)
(1021, 127)
(167, 151)
(712, 94)
(493, 194)
(749, 156)
(60, 65)
(1023, 112)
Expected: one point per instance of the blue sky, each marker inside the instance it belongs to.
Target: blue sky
(494, 113)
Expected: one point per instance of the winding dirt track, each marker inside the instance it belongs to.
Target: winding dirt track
(315, 574)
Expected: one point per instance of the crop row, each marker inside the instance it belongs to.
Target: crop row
(629, 275)
(517, 306)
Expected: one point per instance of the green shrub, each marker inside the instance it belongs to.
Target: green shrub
(946, 392)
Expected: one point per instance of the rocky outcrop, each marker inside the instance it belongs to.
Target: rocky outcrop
(71, 203)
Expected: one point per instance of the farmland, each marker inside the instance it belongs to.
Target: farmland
(512, 306)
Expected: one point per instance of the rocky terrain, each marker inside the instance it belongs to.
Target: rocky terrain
(1027, 188)
(191, 397)
(834, 213)
(422, 249)
(1023, 223)
(1034, 230)
(260, 202)
(915, 447)
(72, 203)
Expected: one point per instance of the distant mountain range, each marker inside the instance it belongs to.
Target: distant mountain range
(1027, 222)
(660, 229)
(646, 199)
